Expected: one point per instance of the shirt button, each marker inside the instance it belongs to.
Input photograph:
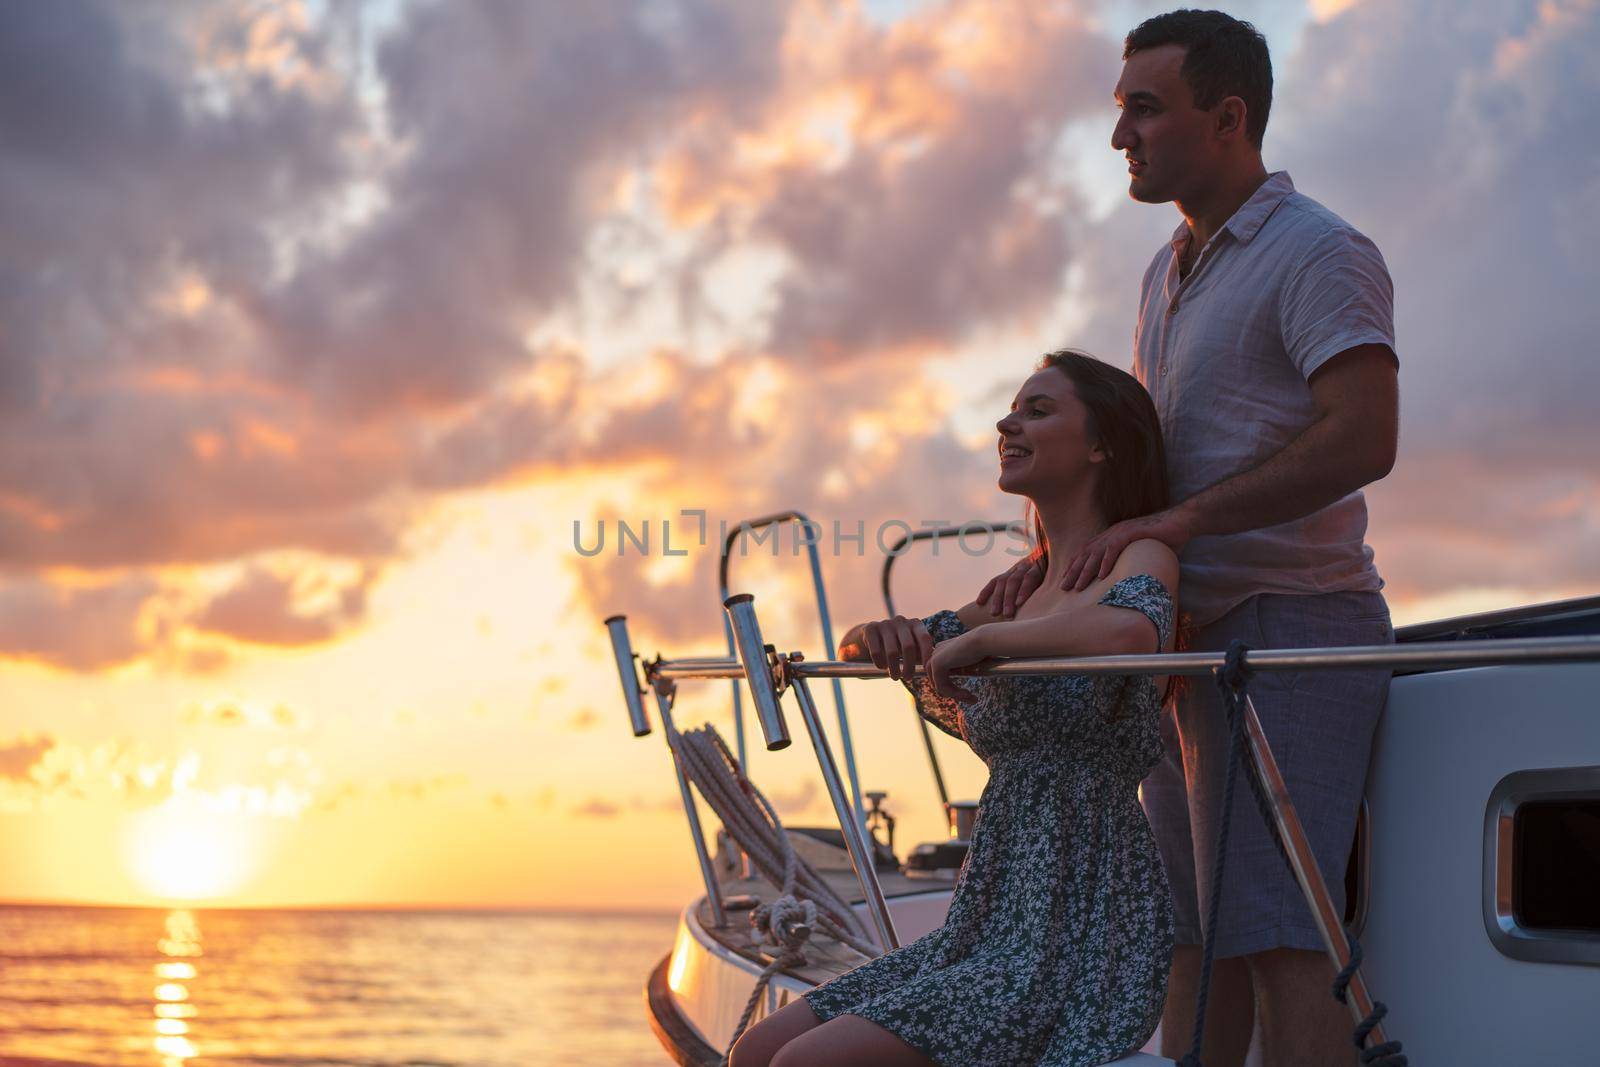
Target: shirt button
(1163, 370)
(1172, 308)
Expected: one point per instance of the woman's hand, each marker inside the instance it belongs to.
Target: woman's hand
(897, 645)
(962, 651)
(1011, 588)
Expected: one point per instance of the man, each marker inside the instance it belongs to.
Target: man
(1265, 336)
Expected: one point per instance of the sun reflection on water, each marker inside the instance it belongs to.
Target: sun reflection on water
(173, 1012)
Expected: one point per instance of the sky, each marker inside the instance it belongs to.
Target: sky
(332, 333)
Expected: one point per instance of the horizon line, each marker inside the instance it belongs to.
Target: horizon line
(552, 909)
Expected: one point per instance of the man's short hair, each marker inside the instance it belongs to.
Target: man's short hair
(1226, 57)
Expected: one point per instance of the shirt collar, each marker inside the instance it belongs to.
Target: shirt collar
(1247, 221)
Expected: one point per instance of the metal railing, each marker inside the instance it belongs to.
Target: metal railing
(769, 674)
(899, 549)
(749, 526)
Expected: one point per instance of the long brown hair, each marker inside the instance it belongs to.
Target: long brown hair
(1133, 479)
(1122, 417)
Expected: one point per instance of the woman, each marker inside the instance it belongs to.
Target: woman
(1056, 946)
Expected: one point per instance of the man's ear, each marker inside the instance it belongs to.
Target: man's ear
(1230, 121)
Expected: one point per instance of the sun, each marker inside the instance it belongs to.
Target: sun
(181, 851)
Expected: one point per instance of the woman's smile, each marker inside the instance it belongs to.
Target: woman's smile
(1013, 452)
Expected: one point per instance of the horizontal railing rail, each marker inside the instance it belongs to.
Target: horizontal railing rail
(1432, 655)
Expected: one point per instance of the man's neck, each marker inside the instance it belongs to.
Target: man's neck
(1208, 212)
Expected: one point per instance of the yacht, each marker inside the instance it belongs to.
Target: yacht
(1473, 888)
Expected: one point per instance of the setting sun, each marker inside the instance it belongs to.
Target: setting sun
(184, 852)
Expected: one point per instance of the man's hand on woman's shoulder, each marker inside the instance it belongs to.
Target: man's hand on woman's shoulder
(1007, 590)
(1170, 529)
(1126, 542)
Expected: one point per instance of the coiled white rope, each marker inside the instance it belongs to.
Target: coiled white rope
(807, 902)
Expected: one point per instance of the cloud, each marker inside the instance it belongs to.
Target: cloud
(249, 311)
(804, 799)
(151, 200)
(425, 788)
(601, 808)
(585, 718)
(18, 758)
(229, 714)
(491, 204)
(116, 621)
(38, 774)
(268, 288)
(265, 608)
(595, 808)
(905, 174)
(858, 444)
(77, 628)
(1479, 198)
(42, 772)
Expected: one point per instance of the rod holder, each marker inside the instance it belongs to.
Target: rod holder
(632, 691)
(765, 685)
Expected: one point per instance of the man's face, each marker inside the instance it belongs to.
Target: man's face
(1165, 138)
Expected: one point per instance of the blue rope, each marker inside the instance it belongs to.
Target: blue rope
(1234, 672)
(1387, 1054)
(1233, 678)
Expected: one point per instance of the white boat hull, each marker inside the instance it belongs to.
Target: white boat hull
(707, 984)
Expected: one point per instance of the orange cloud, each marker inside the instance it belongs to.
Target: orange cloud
(270, 608)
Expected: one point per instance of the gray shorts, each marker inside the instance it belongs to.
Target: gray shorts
(1320, 726)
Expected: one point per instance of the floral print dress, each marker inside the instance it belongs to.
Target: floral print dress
(1058, 940)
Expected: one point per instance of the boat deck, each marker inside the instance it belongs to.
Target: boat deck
(826, 958)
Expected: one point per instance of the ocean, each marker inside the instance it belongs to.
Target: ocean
(136, 987)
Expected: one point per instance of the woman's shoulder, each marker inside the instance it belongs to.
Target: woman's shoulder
(1148, 556)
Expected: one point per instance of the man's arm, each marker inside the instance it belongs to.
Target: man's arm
(1351, 444)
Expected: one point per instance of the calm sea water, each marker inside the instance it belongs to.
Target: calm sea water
(134, 986)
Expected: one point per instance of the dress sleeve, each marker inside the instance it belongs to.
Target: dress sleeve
(1144, 593)
(941, 711)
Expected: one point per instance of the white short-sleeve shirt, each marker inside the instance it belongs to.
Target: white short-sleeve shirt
(1226, 354)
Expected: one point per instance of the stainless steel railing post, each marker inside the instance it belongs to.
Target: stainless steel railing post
(1329, 923)
(854, 836)
(895, 551)
(707, 873)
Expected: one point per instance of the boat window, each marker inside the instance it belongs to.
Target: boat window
(1541, 865)
(1556, 864)
(1358, 874)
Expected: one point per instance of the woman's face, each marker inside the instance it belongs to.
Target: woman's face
(1049, 427)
